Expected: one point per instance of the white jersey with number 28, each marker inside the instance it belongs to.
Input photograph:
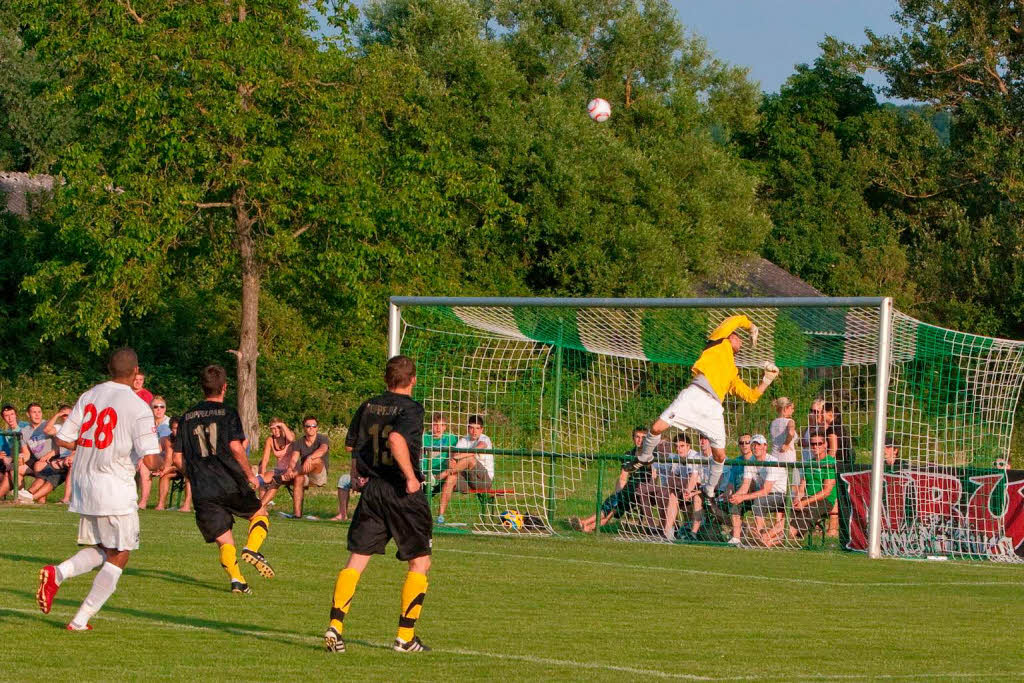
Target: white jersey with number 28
(114, 429)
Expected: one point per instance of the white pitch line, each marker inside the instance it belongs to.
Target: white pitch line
(546, 661)
(728, 575)
(625, 565)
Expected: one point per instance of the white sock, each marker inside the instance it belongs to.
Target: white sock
(716, 473)
(85, 560)
(647, 447)
(102, 588)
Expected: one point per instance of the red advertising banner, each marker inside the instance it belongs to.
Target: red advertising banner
(939, 511)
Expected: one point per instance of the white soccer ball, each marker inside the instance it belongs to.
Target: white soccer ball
(599, 109)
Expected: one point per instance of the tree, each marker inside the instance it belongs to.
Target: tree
(201, 124)
(818, 146)
(967, 58)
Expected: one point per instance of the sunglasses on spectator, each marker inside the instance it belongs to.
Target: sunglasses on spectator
(159, 405)
(744, 443)
(310, 426)
(817, 443)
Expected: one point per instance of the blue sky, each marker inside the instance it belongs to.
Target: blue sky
(772, 36)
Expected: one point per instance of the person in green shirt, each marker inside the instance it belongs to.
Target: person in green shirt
(436, 445)
(818, 491)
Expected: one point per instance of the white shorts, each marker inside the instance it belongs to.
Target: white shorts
(695, 409)
(345, 482)
(116, 532)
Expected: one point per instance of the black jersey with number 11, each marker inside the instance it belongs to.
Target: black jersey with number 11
(204, 436)
(368, 435)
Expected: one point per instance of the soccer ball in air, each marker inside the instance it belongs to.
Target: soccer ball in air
(512, 520)
(599, 109)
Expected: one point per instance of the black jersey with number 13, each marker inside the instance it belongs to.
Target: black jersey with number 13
(375, 420)
(204, 435)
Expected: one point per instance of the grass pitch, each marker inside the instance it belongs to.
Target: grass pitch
(507, 609)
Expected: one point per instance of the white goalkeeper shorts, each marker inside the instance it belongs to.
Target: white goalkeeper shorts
(695, 409)
(116, 532)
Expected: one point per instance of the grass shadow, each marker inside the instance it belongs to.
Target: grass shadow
(160, 574)
(184, 621)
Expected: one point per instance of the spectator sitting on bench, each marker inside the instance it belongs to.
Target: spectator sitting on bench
(818, 489)
(8, 456)
(173, 468)
(436, 446)
(767, 495)
(51, 470)
(36, 446)
(307, 466)
(467, 471)
(154, 465)
(278, 444)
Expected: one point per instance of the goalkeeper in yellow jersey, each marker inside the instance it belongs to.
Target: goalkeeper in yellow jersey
(699, 405)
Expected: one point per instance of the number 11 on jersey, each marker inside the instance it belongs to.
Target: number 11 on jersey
(206, 436)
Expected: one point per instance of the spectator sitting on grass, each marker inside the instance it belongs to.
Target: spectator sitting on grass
(632, 475)
(345, 487)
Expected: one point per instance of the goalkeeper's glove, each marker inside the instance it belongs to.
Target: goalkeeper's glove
(771, 371)
(753, 335)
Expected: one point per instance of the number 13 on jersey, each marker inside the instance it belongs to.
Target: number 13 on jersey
(381, 448)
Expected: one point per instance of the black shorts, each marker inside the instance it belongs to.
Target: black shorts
(805, 518)
(384, 513)
(217, 515)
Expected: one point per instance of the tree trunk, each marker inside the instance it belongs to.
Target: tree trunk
(248, 347)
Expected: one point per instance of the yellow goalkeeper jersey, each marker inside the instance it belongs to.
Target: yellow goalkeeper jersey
(718, 365)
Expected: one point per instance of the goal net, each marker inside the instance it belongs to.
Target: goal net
(560, 385)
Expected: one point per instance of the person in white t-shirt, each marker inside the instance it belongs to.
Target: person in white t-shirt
(111, 429)
(467, 471)
(769, 498)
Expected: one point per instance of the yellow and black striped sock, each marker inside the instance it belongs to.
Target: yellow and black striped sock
(413, 592)
(259, 527)
(344, 589)
(230, 563)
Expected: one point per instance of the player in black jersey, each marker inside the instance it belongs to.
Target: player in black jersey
(386, 436)
(210, 441)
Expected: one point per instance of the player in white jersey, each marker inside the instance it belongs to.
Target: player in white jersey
(113, 429)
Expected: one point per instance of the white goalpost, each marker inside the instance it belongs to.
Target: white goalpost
(561, 383)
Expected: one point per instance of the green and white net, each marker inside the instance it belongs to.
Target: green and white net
(560, 389)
